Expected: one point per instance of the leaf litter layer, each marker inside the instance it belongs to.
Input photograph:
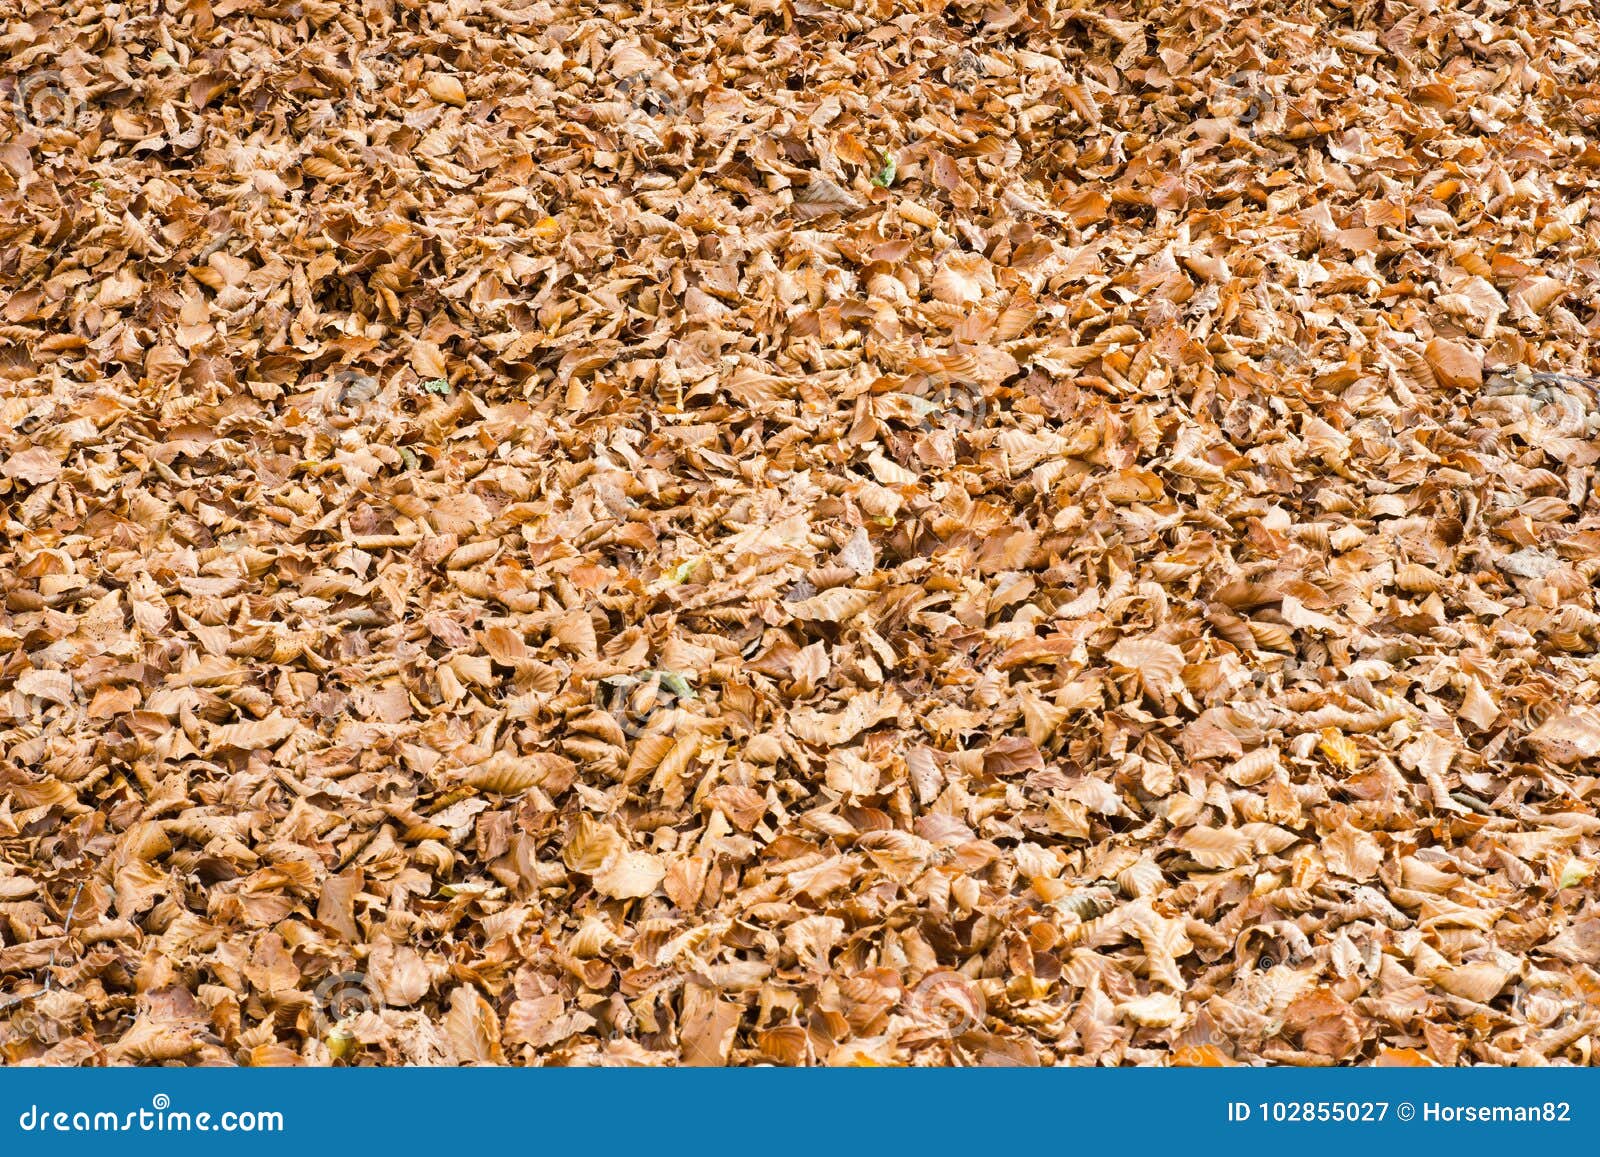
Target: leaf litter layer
(798, 533)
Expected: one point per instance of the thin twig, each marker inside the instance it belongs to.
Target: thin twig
(50, 977)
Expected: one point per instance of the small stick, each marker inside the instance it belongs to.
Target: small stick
(50, 978)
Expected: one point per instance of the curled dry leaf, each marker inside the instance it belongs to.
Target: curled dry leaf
(630, 875)
(1158, 1010)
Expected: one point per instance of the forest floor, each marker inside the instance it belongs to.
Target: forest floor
(801, 532)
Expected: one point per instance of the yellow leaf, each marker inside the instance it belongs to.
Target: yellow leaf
(1574, 872)
(1339, 748)
(1200, 1057)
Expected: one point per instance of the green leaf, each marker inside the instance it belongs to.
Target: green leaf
(437, 386)
(676, 683)
(886, 175)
